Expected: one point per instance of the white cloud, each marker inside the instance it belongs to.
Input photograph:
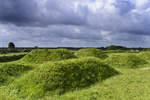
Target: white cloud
(140, 3)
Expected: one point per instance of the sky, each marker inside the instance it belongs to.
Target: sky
(75, 23)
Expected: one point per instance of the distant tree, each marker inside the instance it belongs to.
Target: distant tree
(36, 47)
(11, 45)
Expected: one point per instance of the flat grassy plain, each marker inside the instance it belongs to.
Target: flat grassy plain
(130, 78)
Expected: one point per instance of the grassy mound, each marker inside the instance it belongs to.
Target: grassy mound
(126, 61)
(145, 55)
(8, 72)
(43, 55)
(91, 52)
(62, 76)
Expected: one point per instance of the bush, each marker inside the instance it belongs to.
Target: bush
(91, 52)
(8, 72)
(62, 76)
(126, 61)
(43, 55)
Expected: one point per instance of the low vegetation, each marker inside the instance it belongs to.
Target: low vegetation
(59, 77)
(91, 52)
(86, 74)
(145, 55)
(44, 55)
(126, 61)
(9, 72)
(11, 57)
(132, 84)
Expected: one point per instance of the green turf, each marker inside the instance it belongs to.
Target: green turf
(133, 82)
(43, 55)
(91, 52)
(62, 76)
(10, 71)
(126, 60)
(145, 55)
(130, 85)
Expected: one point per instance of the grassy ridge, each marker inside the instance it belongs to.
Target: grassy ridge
(126, 60)
(43, 55)
(91, 52)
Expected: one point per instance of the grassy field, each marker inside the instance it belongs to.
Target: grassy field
(81, 75)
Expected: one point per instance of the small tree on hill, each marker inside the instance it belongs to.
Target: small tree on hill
(11, 45)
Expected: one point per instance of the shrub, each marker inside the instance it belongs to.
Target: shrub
(8, 72)
(62, 76)
(126, 61)
(91, 52)
(43, 55)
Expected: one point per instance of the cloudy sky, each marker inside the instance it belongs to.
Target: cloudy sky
(75, 23)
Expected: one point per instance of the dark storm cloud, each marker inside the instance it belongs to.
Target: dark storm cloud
(34, 12)
(75, 22)
(18, 12)
(124, 6)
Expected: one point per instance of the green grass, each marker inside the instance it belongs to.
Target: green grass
(126, 60)
(130, 85)
(43, 55)
(91, 52)
(62, 76)
(145, 55)
(10, 71)
(133, 83)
